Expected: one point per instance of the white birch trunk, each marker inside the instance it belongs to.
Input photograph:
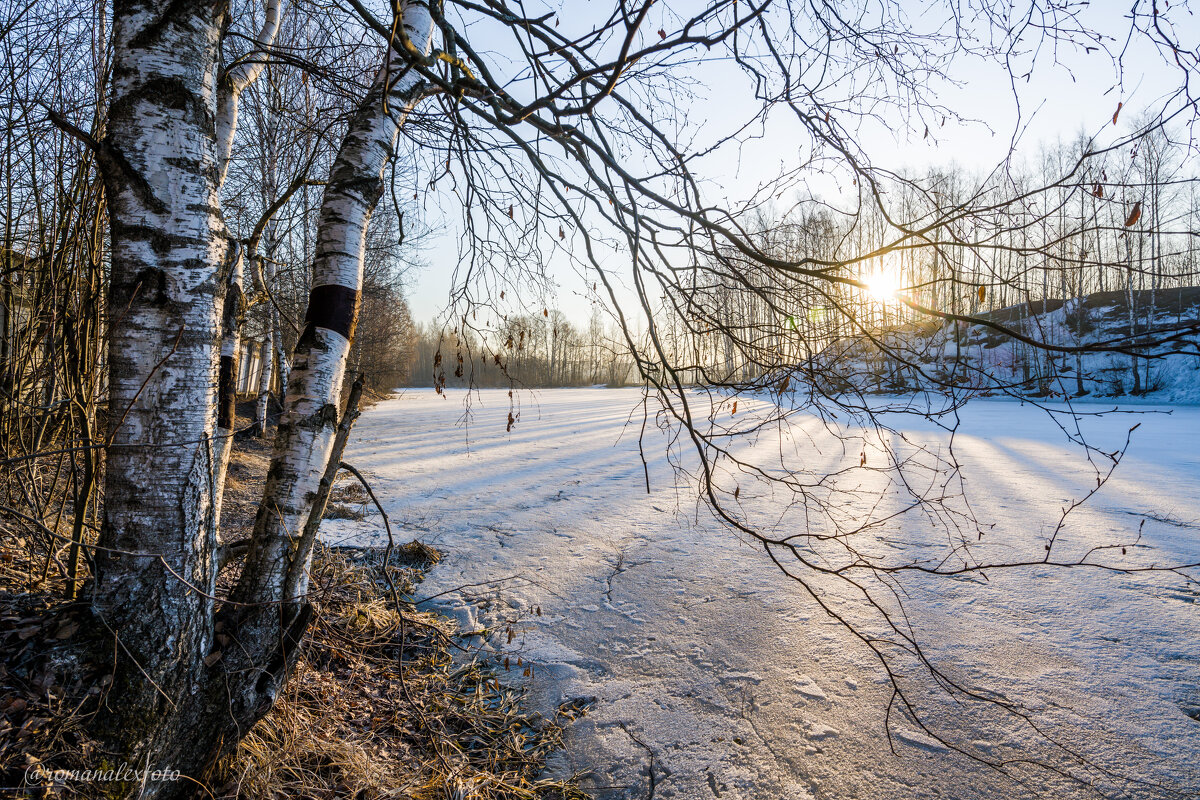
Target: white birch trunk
(232, 317)
(155, 569)
(264, 275)
(281, 356)
(265, 375)
(235, 82)
(306, 429)
(273, 344)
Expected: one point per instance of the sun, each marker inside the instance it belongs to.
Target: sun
(883, 285)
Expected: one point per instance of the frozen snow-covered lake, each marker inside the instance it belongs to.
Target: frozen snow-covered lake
(708, 663)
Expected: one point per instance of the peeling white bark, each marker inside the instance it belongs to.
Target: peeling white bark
(168, 240)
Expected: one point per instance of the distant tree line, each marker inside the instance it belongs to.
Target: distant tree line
(525, 350)
(1119, 227)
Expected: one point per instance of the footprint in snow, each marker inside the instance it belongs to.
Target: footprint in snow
(809, 688)
(919, 740)
(817, 732)
(741, 676)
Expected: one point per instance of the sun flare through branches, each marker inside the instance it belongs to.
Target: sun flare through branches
(883, 285)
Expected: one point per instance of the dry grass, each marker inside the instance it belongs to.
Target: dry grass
(41, 684)
(379, 707)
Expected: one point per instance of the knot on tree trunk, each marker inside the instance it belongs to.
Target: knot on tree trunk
(326, 416)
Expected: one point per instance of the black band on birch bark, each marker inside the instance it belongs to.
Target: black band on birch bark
(226, 394)
(331, 307)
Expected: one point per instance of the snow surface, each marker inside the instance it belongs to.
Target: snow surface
(716, 677)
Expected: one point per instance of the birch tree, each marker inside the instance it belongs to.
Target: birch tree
(170, 263)
(234, 80)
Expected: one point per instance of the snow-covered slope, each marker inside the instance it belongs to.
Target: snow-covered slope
(963, 357)
(715, 677)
